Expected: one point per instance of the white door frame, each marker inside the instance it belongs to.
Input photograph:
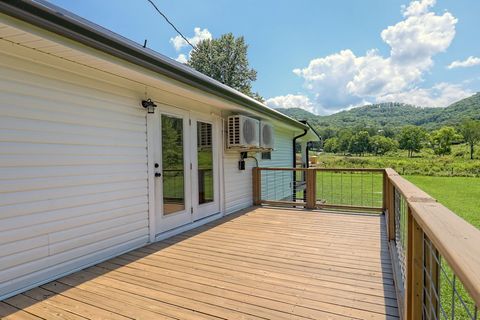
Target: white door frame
(201, 211)
(151, 136)
(164, 222)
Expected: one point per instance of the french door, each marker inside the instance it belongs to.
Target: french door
(186, 168)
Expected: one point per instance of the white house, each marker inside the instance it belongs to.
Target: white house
(89, 168)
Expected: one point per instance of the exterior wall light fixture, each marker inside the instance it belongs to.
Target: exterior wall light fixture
(149, 105)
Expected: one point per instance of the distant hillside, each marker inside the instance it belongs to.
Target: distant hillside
(456, 112)
(393, 115)
(297, 113)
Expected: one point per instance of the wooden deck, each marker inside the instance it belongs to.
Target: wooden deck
(262, 263)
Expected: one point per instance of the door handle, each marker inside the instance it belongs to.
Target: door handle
(158, 174)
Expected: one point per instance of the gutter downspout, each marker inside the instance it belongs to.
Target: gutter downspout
(305, 131)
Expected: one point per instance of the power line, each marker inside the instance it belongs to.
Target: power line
(170, 23)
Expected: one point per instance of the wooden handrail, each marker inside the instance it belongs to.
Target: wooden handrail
(457, 241)
(410, 191)
(322, 169)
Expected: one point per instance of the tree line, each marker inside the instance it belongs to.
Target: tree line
(413, 139)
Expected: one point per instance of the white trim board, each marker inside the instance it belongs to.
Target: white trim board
(187, 227)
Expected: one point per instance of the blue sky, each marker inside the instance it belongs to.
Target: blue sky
(322, 56)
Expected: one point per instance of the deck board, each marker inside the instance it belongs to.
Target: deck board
(262, 263)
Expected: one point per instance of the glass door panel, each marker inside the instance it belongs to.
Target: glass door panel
(173, 165)
(205, 166)
(205, 163)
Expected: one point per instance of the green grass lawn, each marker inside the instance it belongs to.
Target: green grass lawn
(459, 194)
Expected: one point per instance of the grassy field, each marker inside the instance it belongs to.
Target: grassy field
(424, 163)
(459, 194)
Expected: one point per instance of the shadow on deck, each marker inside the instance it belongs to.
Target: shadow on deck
(261, 263)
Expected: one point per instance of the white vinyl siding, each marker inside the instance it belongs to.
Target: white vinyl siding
(73, 172)
(238, 184)
(74, 183)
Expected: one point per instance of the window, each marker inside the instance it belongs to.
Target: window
(267, 155)
(173, 165)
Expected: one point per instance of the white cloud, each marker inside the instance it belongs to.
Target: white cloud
(291, 101)
(344, 79)
(419, 37)
(182, 58)
(469, 62)
(199, 34)
(440, 95)
(327, 78)
(416, 8)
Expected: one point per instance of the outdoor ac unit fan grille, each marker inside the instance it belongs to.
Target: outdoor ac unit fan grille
(267, 136)
(249, 131)
(234, 130)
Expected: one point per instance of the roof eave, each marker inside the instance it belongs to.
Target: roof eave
(59, 21)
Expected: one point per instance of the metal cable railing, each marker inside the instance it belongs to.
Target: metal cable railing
(444, 295)
(400, 211)
(348, 189)
(280, 185)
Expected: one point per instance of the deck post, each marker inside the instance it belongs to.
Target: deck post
(414, 282)
(257, 186)
(311, 188)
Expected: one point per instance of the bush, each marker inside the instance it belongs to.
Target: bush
(380, 145)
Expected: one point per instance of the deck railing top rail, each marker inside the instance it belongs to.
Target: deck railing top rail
(321, 169)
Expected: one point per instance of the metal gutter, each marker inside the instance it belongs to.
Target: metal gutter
(294, 147)
(64, 23)
(294, 141)
(311, 128)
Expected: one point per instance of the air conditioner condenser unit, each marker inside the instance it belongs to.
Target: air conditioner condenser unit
(243, 132)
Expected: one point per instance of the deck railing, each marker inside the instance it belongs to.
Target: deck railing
(435, 253)
(349, 189)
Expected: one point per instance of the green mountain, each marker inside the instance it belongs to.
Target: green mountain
(393, 115)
